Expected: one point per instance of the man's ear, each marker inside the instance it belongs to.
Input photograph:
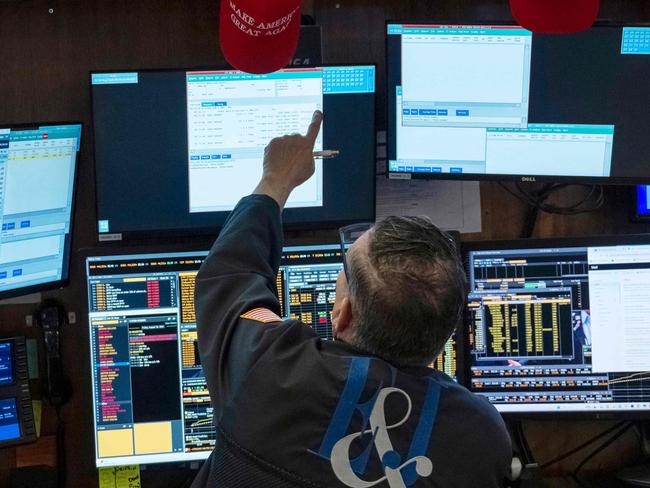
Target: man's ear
(342, 319)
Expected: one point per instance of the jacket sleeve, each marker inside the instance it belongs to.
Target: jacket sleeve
(237, 308)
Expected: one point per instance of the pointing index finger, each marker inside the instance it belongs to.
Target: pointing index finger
(314, 126)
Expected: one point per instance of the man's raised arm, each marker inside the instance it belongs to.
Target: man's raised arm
(235, 289)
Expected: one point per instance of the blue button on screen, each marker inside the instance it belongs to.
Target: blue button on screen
(443, 111)
(9, 424)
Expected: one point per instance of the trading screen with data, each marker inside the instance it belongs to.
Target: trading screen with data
(559, 328)
(143, 346)
(485, 100)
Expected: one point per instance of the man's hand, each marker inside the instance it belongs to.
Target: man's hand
(289, 162)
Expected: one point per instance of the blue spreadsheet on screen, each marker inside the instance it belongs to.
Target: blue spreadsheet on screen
(636, 40)
(37, 174)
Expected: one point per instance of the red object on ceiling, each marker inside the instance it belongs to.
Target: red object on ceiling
(259, 36)
(555, 16)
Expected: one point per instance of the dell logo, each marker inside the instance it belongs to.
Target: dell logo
(529, 179)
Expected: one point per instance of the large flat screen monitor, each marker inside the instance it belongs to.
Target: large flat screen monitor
(175, 150)
(560, 325)
(38, 165)
(498, 102)
(150, 397)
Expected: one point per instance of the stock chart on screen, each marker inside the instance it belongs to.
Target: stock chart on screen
(559, 328)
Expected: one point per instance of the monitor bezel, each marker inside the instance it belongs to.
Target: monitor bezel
(203, 232)
(604, 180)
(68, 245)
(609, 240)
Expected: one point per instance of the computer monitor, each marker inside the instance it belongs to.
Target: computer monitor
(560, 325)
(498, 102)
(150, 397)
(16, 414)
(38, 165)
(176, 149)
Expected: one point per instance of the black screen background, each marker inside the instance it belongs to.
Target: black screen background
(576, 79)
(142, 169)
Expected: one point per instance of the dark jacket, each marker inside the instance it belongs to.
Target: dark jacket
(294, 410)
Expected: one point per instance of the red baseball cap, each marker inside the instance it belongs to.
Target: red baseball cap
(259, 36)
(555, 16)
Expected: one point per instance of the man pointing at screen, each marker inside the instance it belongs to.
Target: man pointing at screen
(360, 411)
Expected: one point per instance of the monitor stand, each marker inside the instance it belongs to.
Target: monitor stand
(639, 475)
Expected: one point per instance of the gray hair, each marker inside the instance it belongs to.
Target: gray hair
(407, 292)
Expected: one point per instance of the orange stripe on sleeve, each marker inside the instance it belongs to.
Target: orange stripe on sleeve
(263, 315)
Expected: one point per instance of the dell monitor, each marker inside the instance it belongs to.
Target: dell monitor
(38, 165)
(143, 348)
(499, 102)
(560, 326)
(176, 149)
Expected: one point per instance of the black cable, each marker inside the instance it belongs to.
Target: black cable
(581, 446)
(598, 450)
(520, 436)
(578, 208)
(538, 199)
(530, 220)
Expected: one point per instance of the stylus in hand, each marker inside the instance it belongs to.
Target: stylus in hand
(327, 154)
